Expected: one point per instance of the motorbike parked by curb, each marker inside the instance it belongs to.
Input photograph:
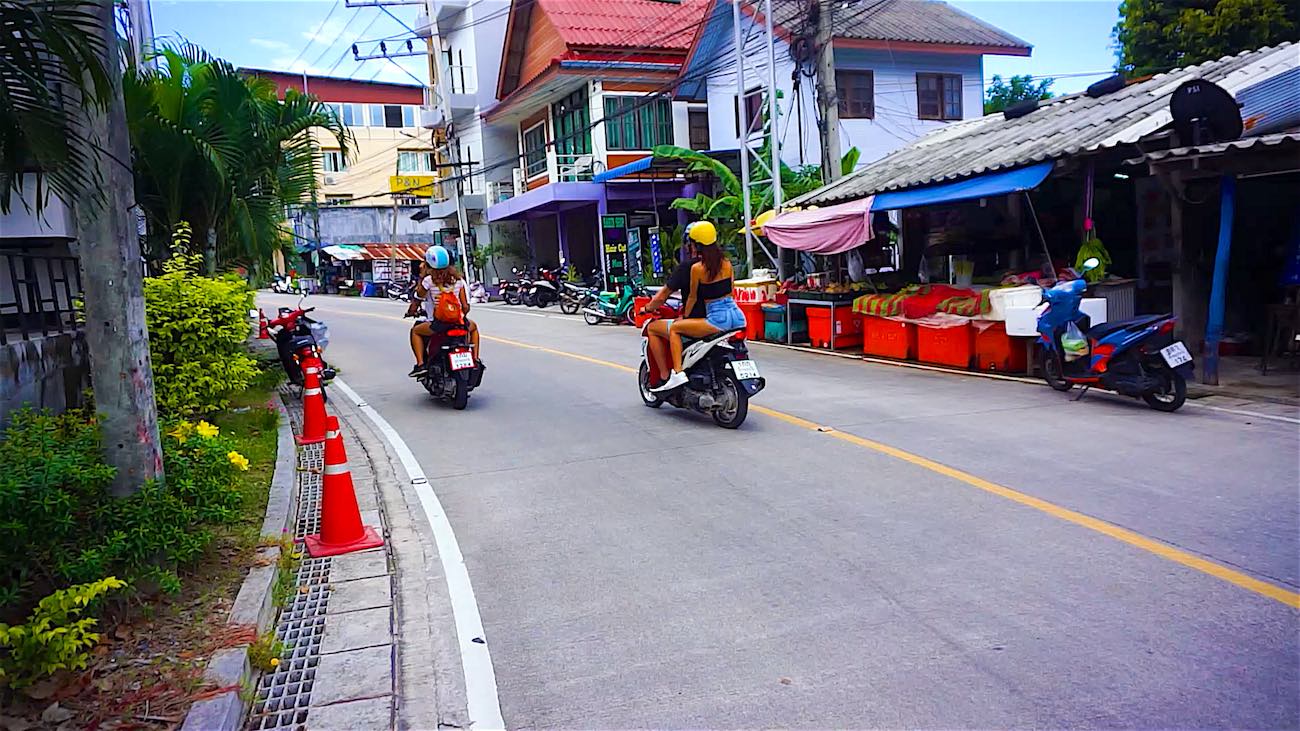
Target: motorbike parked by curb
(297, 337)
(616, 307)
(1138, 357)
(545, 289)
(512, 290)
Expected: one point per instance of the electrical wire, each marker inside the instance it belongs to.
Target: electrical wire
(312, 39)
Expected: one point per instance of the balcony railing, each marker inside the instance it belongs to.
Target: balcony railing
(572, 168)
(500, 191)
(461, 79)
(38, 295)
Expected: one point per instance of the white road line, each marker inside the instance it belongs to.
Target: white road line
(482, 701)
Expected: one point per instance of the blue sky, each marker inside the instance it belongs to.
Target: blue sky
(1068, 37)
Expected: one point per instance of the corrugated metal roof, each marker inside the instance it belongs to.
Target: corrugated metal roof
(409, 252)
(1284, 138)
(918, 21)
(1060, 127)
(644, 24)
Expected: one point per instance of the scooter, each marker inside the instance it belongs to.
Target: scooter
(1138, 358)
(512, 289)
(298, 336)
(545, 289)
(615, 307)
(400, 292)
(450, 372)
(722, 377)
(285, 285)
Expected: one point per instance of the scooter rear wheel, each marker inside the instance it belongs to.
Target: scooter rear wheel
(735, 407)
(590, 318)
(1172, 396)
(1050, 366)
(569, 305)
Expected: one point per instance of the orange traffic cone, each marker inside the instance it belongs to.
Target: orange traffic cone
(341, 529)
(262, 332)
(313, 403)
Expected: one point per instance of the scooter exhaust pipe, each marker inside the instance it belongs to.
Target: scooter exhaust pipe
(594, 312)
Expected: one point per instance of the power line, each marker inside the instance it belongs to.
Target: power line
(312, 39)
(325, 51)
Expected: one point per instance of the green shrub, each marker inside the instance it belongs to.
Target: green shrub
(55, 636)
(197, 330)
(60, 526)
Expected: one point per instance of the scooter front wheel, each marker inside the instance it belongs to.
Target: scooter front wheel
(590, 317)
(569, 306)
(648, 397)
(1050, 366)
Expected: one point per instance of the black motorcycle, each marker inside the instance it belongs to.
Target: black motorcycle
(450, 369)
(512, 290)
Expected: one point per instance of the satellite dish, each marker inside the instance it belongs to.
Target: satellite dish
(1204, 112)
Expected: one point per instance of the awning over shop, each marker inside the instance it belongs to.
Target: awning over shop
(659, 165)
(980, 186)
(343, 253)
(830, 230)
(408, 252)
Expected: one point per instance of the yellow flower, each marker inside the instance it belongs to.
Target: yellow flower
(238, 460)
(206, 430)
(181, 432)
(275, 662)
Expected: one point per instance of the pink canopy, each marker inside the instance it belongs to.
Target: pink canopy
(830, 230)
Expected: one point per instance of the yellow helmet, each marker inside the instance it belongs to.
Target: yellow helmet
(703, 233)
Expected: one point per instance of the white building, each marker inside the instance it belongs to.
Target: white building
(903, 67)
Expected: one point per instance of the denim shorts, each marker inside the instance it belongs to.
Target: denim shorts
(724, 314)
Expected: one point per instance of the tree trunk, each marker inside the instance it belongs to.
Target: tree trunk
(109, 249)
(210, 253)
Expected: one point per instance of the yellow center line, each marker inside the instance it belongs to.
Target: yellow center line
(1137, 540)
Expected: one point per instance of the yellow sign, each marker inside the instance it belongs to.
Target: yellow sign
(417, 185)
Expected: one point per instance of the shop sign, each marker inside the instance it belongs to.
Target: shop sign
(420, 186)
(656, 255)
(614, 234)
(634, 254)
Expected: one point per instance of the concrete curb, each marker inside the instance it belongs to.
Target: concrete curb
(229, 669)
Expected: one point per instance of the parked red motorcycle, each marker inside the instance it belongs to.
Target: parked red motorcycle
(297, 337)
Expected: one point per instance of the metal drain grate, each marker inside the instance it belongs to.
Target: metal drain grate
(309, 489)
(311, 457)
(283, 696)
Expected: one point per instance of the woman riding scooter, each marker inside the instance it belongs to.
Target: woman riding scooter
(437, 278)
(678, 281)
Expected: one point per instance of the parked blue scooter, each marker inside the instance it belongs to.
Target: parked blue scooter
(1138, 357)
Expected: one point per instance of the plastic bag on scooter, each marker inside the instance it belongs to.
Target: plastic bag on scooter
(1074, 344)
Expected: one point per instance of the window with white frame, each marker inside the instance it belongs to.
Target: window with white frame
(354, 115)
(535, 149)
(415, 162)
(633, 123)
(332, 161)
(408, 115)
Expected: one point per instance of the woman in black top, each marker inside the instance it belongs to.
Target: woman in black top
(710, 286)
(678, 281)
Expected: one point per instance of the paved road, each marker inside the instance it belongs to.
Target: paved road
(932, 562)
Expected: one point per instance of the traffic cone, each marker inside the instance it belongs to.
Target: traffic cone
(262, 332)
(313, 403)
(341, 529)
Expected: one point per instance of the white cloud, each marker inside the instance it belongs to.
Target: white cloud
(327, 31)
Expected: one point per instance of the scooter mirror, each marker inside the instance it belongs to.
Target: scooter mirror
(1091, 263)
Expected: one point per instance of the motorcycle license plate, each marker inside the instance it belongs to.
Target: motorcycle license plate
(462, 360)
(1176, 355)
(744, 369)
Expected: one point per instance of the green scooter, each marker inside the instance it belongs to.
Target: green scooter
(615, 307)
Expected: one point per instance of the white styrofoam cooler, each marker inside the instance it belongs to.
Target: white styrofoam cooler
(1001, 299)
(1023, 321)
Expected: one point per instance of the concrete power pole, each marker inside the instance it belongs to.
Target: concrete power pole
(828, 102)
(112, 272)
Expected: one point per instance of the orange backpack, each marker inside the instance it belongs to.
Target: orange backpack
(447, 308)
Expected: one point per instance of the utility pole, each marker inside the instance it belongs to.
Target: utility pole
(142, 38)
(827, 101)
(112, 274)
(392, 242)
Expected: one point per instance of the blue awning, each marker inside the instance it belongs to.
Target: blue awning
(631, 168)
(981, 186)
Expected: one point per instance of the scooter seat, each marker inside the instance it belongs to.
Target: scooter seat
(1098, 332)
(715, 336)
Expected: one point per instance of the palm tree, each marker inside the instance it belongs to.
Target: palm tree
(220, 150)
(50, 68)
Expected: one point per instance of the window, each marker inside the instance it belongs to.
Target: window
(698, 121)
(938, 96)
(337, 200)
(414, 162)
(354, 115)
(535, 150)
(376, 118)
(753, 111)
(572, 125)
(332, 161)
(856, 92)
(633, 123)
(392, 115)
(408, 115)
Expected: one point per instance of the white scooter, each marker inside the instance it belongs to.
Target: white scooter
(722, 377)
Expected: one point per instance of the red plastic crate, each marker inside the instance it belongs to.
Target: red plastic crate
(950, 346)
(888, 338)
(848, 327)
(754, 321)
(997, 351)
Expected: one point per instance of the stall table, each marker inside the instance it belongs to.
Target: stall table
(812, 299)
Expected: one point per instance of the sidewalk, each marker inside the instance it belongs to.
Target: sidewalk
(358, 636)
